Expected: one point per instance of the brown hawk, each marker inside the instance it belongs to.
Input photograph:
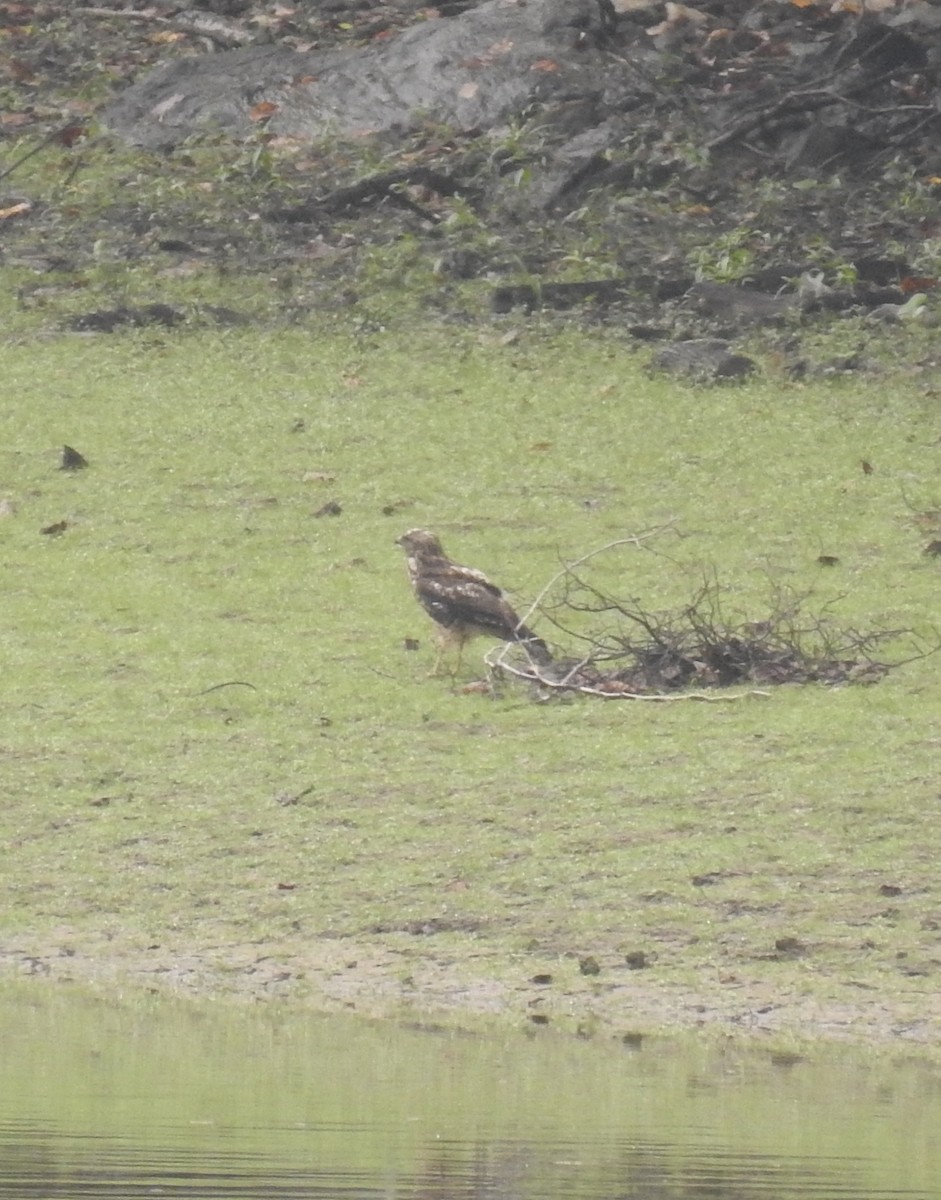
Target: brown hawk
(461, 601)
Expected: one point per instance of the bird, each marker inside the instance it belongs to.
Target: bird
(462, 601)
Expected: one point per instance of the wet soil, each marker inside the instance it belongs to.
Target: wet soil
(407, 975)
(593, 158)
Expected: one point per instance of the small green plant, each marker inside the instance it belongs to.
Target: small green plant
(462, 217)
(728, 258)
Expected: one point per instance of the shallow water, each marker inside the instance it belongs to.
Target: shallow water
(158, 1098)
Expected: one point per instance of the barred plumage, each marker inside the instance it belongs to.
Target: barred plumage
(462, 601)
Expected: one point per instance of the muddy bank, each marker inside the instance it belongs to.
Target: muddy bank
(502, 158)
(404, 975)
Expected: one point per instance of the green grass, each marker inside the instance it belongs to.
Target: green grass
(141, 807)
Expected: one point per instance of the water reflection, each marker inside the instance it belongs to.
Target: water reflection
(46, 1165)
(165, 1099)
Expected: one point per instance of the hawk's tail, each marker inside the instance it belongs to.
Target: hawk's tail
(534, 646)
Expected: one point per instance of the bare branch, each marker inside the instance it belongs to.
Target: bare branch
(633, 653)
(636, 539)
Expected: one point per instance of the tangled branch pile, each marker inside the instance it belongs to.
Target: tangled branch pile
(631, 653)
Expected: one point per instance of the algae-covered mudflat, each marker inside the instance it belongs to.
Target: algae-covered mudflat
(224, 771)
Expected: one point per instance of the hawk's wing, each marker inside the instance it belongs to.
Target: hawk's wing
(455, 595)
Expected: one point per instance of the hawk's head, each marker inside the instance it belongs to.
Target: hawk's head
(420, 543)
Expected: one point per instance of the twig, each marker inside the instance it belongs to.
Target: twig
(814, 99)
(230, 683)
(805, 100)
(916, 129)
(127, 14)
(567, 569)
(702, 697)
(55, 136)
(495, 659)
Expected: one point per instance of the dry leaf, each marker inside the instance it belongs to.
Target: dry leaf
(677, 16)
(912, 284)
(494, 51)
(165, 37)
(22, 72)
(15, 210)
(544, 64)
(69, 135)
(467, 91)
(262, 111)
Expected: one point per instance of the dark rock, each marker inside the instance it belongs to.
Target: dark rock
(789, 947)
(470, 71)
(741, 305)
(386, 186)
(221, 314)
(582, 163)
(109, 320)
(72, 460)
(703, 359)
(825, 147)
(558, 295)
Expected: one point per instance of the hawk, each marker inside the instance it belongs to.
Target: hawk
(461, 601)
